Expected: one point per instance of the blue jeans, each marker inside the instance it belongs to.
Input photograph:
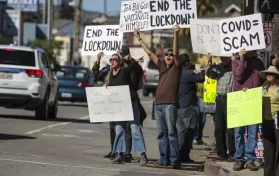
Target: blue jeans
(166, 116)
(201, 123)
(246, 153)
(137, 136)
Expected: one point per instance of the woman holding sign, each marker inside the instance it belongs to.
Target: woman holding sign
(122, 76)
(270, 125)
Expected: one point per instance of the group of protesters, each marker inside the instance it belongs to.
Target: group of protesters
(176, 106)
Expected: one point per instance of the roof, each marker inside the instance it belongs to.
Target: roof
(57, 23)
(69, 30)
(227, 8)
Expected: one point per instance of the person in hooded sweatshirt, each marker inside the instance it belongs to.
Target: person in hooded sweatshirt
(122, 76)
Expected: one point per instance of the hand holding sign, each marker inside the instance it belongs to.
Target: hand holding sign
(242, 54)
(176, 28)
(209, 58)
(137, 33)
(99, 56)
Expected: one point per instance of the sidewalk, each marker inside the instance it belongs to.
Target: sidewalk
(212, 168)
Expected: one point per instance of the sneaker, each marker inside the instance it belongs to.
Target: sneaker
(230, 159)
(198, 142)
(238, 166)
(108, 155)
(128, 158)
(118, 160)
(175, 167)
(252, 166)
(158, 163)
(221, 158)
(143, 160)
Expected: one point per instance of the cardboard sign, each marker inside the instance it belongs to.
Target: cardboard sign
(164, 14)
(105, 38)
(205, 37)
(109, 104)
(244, 108)
(210, 90)
(268, 27)
(245, 32)
(133, 15)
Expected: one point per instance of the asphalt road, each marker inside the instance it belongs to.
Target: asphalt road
(68, 146)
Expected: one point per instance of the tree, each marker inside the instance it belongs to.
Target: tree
(52, 48)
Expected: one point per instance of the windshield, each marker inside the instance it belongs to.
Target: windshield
(72, 73)
(17, 57)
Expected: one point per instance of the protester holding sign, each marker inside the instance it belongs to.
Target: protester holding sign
(270, 126)
(165, 101)
(223, 73)
(187, 120)
(246, 75)
(122, 76)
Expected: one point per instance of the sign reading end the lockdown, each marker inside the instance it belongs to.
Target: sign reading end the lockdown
(245, 32)
(105, 38)
(244, 108)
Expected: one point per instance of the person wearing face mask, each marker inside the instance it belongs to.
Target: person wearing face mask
(270, 121)
(165, 102)
(246, 68)
(122, 76)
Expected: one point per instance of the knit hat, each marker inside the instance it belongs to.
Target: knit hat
(125, 50)
(120, 58)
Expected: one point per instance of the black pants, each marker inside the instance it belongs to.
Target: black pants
(221, 133)
(271, 152)
(187, 122)
(112, 133)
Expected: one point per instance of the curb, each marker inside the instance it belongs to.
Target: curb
(211, 168)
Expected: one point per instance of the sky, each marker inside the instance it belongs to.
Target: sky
(113, 6)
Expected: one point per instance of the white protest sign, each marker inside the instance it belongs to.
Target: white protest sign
(133, 15)
(245, 32)
(205, 37)
(104, 38)
(166, 13)
(109, 104)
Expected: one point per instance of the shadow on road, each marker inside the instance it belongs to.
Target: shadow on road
(21, 117)
(13, 137)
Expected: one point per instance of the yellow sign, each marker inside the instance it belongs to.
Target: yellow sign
(210, 86)
(200, 90)
(244, 108)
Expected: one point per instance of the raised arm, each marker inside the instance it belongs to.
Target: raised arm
(238, 67)
(152, 56)
(176, 29)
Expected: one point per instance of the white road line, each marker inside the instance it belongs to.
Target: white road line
(146, 102)
(65, 165)
(54, 125)
(66, 136)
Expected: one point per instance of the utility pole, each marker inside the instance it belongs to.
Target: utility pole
(77, 28)
(105, 7)
(45, 12)
(248, 7)
(20, 26)
(49, 18)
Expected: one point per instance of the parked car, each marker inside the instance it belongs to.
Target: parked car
(27, 81)
(72, 83)
(150, 79)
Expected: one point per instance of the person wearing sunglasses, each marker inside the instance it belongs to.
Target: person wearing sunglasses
(165, 101)
(122, 76)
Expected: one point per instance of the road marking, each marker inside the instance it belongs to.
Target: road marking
(146, 102)
(66, 136)
(82, 167)
(54, 125)
(86, 131)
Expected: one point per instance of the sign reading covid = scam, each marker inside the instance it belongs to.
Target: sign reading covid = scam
(104, 38)
(245, 32)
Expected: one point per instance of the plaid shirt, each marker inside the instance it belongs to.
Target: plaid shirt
(224, 76)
